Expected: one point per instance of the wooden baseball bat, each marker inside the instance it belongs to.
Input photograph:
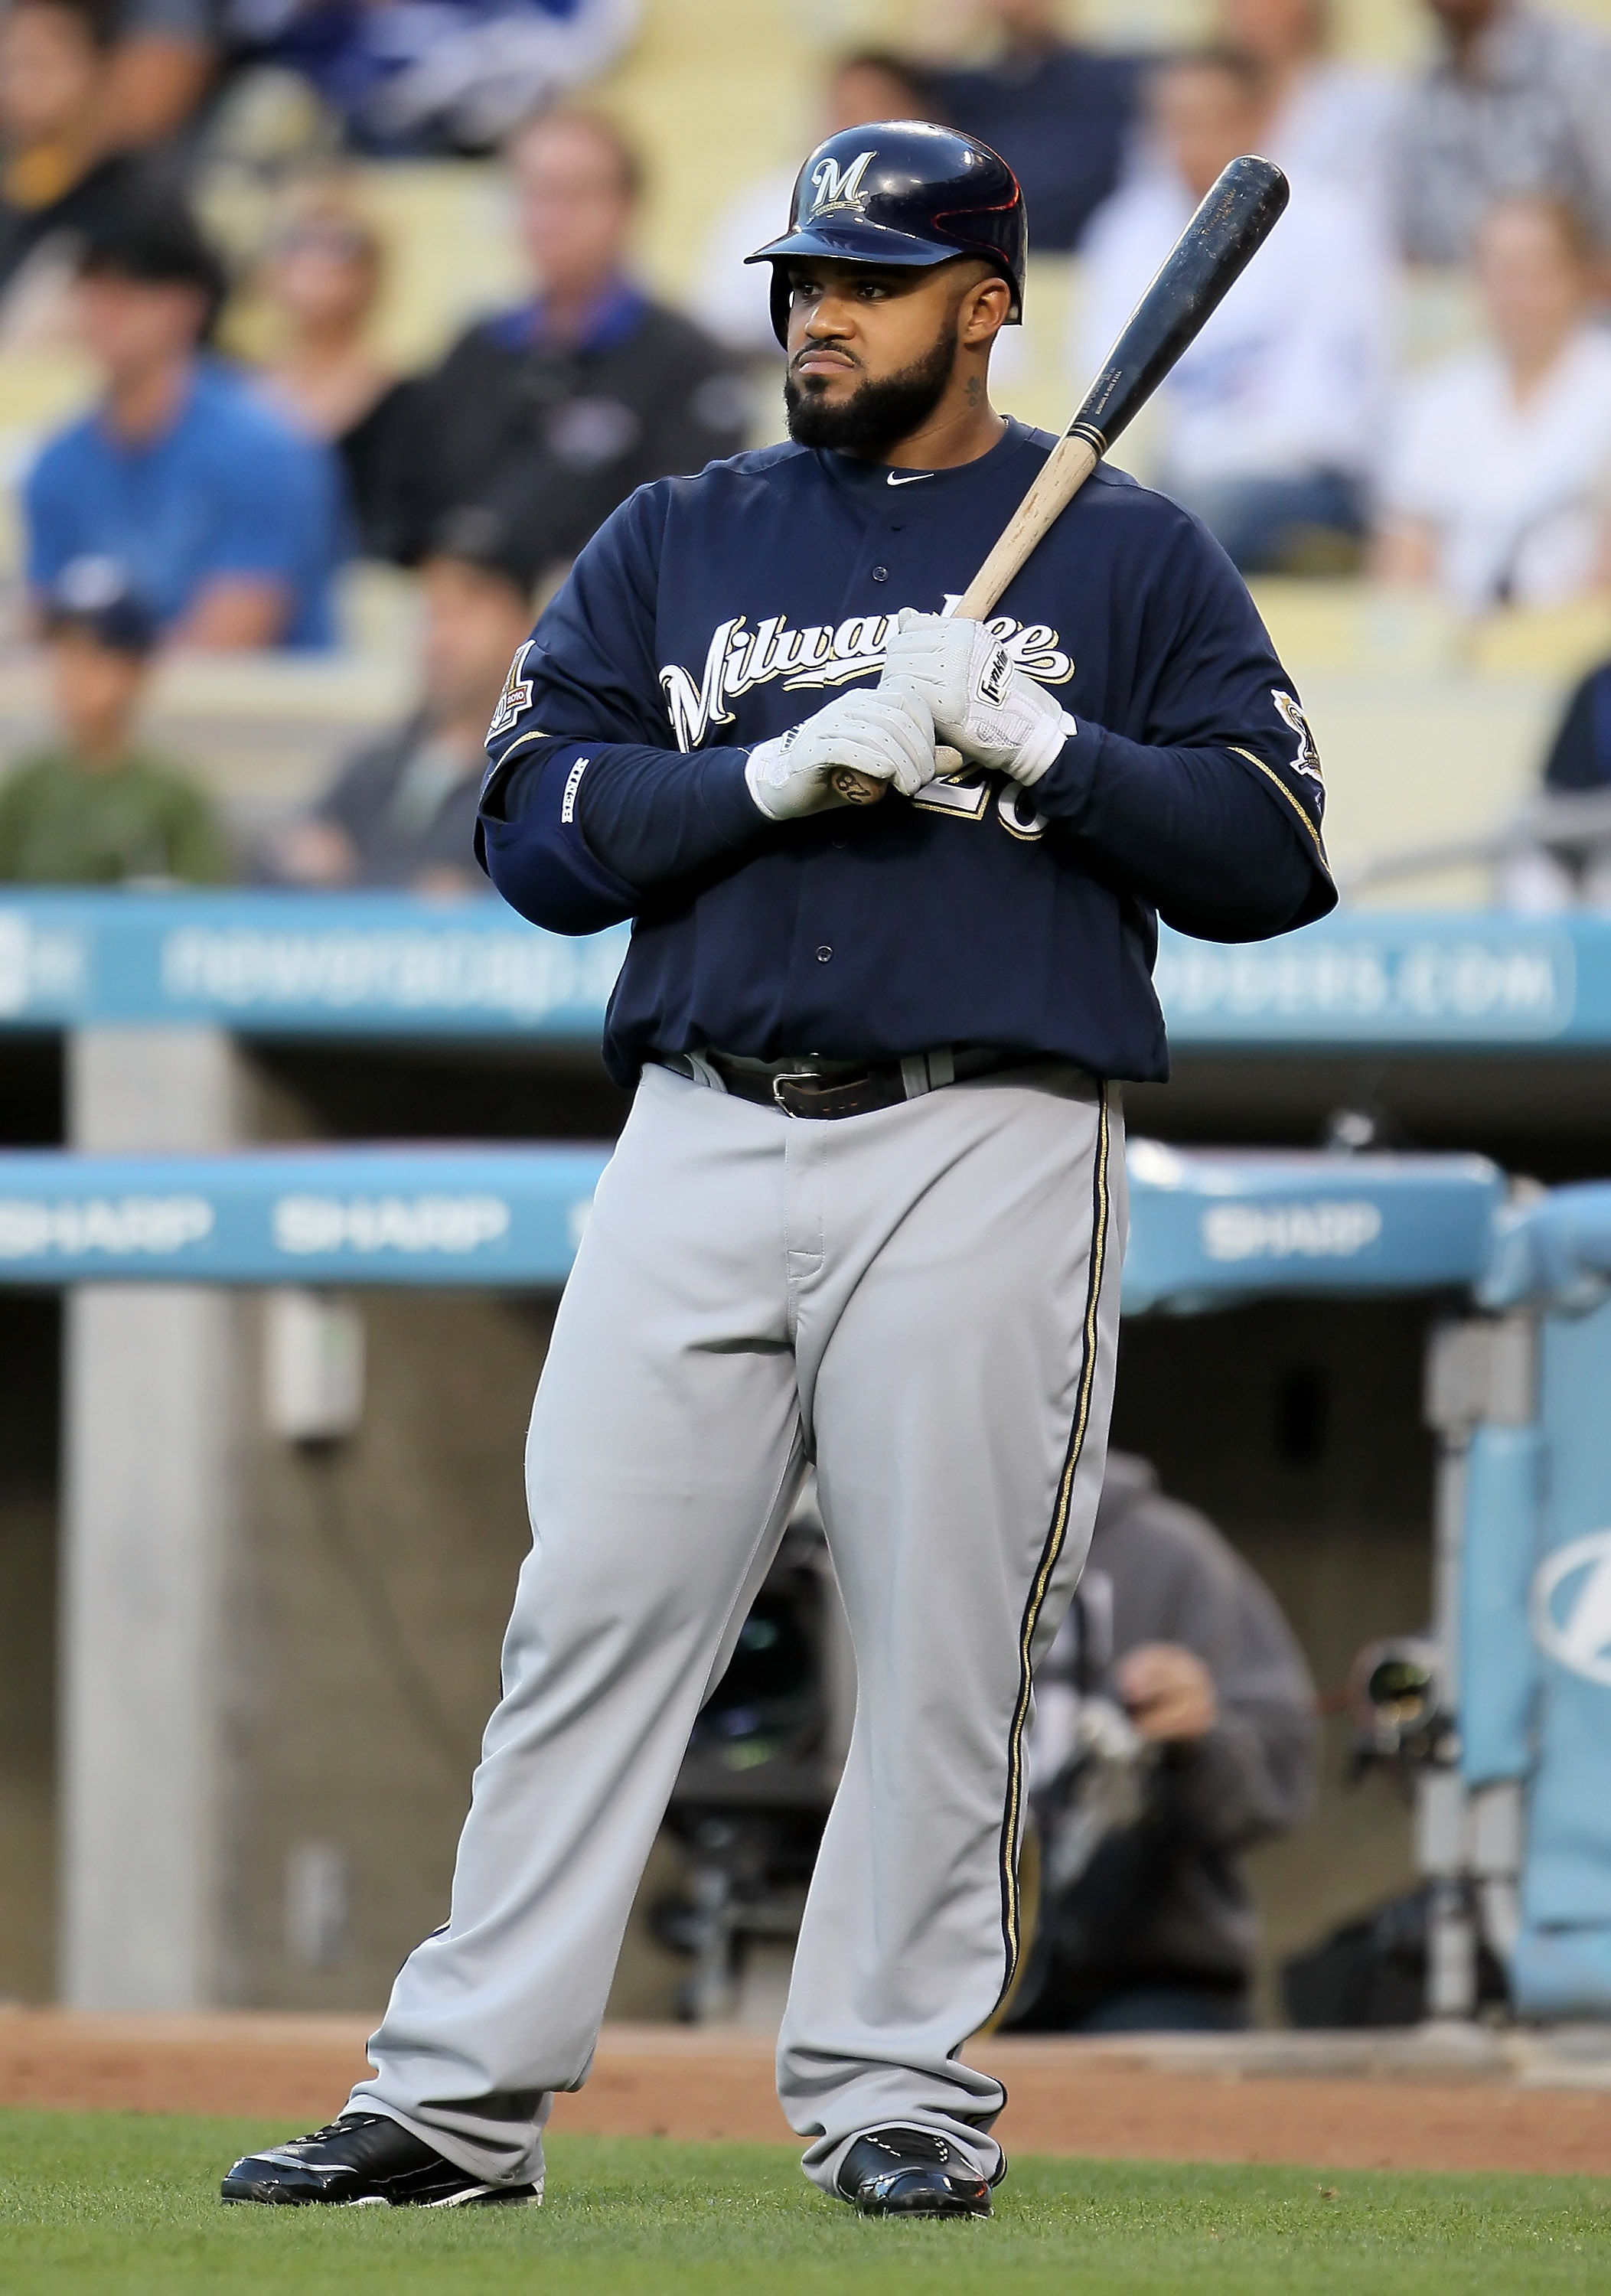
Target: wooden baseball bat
(1205, 262)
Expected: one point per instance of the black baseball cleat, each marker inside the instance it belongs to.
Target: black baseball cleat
(364, 2161)
(910, 2172)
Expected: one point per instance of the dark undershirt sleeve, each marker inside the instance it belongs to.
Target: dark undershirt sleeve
(577, 835)
(1208, 806)
(653, 815)
(1210, 838)
(1197, 834)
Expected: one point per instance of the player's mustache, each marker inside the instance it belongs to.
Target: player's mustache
(810, 350)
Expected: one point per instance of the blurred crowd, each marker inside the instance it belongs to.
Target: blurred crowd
(208, 500)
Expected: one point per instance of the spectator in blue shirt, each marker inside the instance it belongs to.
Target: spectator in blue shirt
(217, 513)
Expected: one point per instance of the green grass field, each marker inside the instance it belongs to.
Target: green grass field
(122, 2205)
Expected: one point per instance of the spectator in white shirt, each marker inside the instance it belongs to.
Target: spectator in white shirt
(735, 303)
(1498, 477)
(1269, 416)
(1326, 119)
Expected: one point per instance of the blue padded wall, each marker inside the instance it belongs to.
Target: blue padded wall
(1499, 1662)
(1564, 1964)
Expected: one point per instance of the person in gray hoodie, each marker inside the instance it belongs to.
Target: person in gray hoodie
(1174, 1729)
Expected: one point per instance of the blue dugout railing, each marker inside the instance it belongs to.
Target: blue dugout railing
(1205, 1228)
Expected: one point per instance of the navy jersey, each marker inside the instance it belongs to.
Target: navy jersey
(711, 613)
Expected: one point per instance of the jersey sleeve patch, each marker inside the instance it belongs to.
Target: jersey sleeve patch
(1307, 760)
(515, 698)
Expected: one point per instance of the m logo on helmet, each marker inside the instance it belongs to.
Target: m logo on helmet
(836, 191)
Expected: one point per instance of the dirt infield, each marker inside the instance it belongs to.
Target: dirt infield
(1386, 2108)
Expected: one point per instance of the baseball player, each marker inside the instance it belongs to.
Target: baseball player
(868, 1208)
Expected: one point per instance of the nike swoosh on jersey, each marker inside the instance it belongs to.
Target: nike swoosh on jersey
(916, 479)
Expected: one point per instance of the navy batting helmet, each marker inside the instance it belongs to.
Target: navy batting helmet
(902, 192)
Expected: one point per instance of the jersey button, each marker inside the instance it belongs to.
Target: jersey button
(881, 573)
(824, 953)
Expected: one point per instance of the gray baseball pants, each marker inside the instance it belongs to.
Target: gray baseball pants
(924, 1300)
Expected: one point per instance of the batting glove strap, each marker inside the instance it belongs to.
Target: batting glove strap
(981, 704)
(885, 732)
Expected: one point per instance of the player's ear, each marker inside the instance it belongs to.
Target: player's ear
(985, 310)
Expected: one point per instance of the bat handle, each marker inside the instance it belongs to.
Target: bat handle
(861, 789)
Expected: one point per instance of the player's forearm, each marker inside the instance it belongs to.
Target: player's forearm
(1216, 846)
(656, 816)
(575, 834)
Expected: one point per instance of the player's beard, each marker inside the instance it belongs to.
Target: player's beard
(876, 415)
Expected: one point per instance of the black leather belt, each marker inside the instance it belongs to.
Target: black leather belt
(837, 1090)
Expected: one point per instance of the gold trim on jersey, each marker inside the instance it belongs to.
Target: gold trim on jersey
(1270, 774)
(1050, 1554)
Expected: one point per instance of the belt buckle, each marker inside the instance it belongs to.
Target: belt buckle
(791, 1076)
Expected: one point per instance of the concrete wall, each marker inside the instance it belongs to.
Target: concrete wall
(356, 1663)
(377, 1576)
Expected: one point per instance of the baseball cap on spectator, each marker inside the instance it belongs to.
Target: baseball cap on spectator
(484, 538)
(157, 244)
(93, 597)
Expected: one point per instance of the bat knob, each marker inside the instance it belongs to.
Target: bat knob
(861, 789)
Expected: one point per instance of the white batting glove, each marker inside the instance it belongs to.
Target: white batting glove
(885, 732)
(996, 715)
